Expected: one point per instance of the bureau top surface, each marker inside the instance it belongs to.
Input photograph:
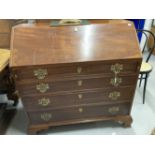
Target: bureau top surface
(43, 45)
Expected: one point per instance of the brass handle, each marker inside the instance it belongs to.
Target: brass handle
(44, 102)
(116, 81)
(42, 87)
(80, 83)
(46, 116)
(113, 110)
(79, 70)
(80, 110)
(70, 22)
(117, 68)
(80, 96)
(40, 73)
(114, 95)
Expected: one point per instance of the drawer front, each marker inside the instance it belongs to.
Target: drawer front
(77, 113)
(74, 85)
(75, 70)
(107, 96)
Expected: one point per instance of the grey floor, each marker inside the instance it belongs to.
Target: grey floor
(143, 118)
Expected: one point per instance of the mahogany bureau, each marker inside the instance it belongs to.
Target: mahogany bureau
(75, 74)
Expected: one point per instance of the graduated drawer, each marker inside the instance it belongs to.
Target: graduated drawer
(76, 69)
(72, 85)
(78, 98)
(82, 113)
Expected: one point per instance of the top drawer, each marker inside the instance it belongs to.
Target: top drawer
(77, 69)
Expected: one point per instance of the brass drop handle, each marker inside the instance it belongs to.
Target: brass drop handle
(46, 116)
(116, 68)
(40, 73)
(44, 102)
(116, 81)
(42, 87)
(113, 110)
(114, 95)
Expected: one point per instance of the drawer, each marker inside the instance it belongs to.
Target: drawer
(82, 113)
(108, 96)
(73, 85)
(71, 70)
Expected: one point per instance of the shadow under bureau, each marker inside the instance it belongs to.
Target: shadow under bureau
(75, 74)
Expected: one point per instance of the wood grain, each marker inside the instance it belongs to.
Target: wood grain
(56, 45)
(71, 114)
(89, 97)
(75, 95)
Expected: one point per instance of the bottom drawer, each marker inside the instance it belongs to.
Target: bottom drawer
(77, 113)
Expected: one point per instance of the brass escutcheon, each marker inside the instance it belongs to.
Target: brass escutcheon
(80, 83)
(80, 96)
(40, 73)
(114, 95)
(80, 110)
(116, 81)
(42, 87)
(116, 68)
(46, 116)
(113, 110)
(44, 102)
(79, 70)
